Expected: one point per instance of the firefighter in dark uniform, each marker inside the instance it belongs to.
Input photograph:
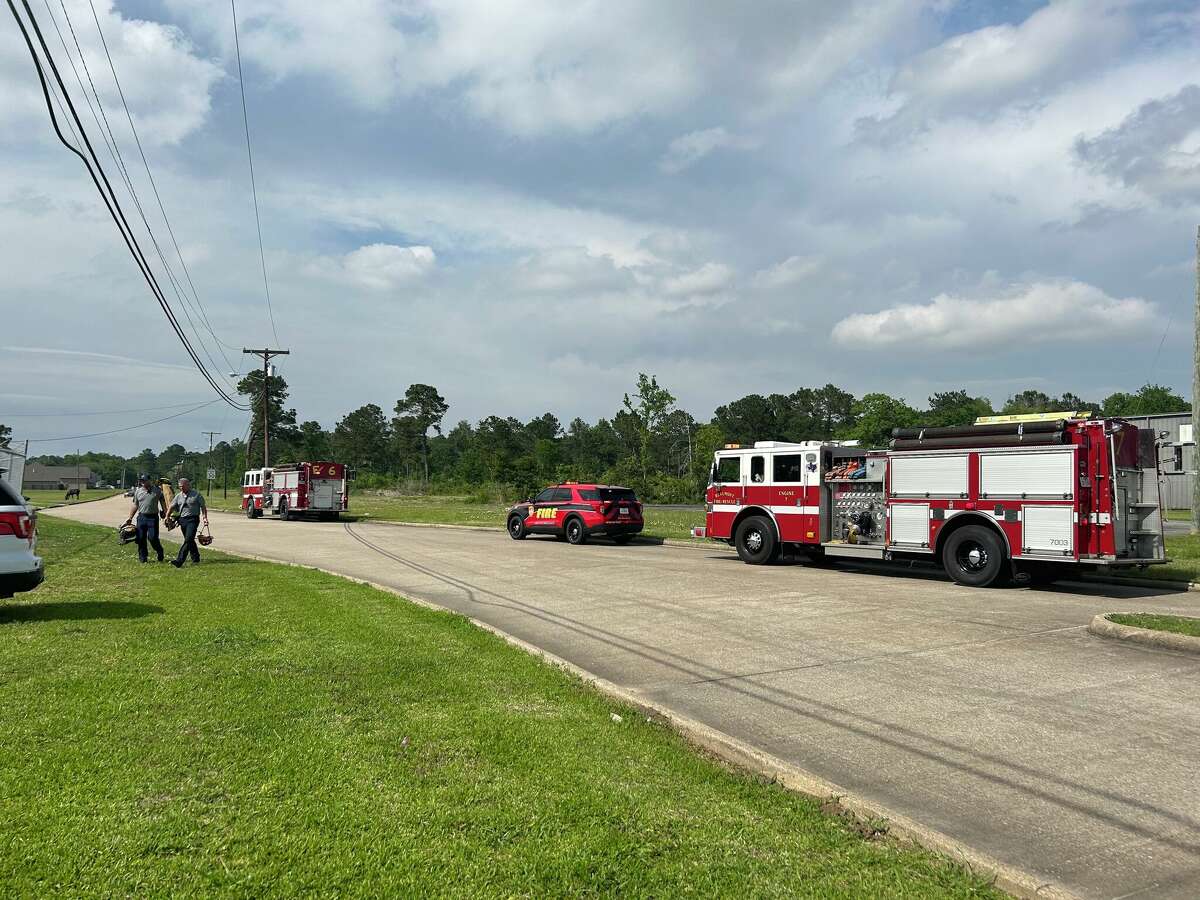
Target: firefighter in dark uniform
(148, 505)
(189, 509)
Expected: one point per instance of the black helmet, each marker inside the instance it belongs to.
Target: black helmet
(126, 533)
(142, 476)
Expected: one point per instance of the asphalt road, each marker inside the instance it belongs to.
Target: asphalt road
(990, 715)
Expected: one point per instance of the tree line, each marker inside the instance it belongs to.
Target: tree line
(648, 443)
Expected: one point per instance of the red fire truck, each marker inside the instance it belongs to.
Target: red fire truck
(1032, 496)
(296, 489)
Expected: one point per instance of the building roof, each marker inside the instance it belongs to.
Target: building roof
(38, 472)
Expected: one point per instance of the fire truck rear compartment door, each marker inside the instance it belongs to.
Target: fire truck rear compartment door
(929, 476)
(322, 494)
(1045, 473)
(1048, 530)
(910, 523)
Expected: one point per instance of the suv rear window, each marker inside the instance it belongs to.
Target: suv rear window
(589, 494)
(617, 494)
(8, 497)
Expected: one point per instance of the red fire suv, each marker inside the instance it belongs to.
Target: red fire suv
(577, 511)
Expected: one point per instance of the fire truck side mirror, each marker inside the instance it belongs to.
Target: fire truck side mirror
(351, 474)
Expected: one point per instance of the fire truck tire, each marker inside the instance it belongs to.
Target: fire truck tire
(516, 528)
(574, 531)
(756, 542)
(974, 556)
(250, 512)
(282, 512)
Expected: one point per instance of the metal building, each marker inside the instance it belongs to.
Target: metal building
(1178, 456)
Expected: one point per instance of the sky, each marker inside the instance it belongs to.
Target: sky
(525, 204)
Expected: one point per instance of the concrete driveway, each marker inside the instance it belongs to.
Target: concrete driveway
(989, 715)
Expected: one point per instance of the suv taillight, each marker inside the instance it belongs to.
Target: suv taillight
(18, 524)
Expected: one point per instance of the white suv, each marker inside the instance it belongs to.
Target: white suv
(20, 568)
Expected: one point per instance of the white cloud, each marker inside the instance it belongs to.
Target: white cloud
(166, 83)
(790, 271)
(483, 217)
(569, 271)
(975, 73)
(533, 68)
(1156, 148)
(90, 356)
(384, 266)
(1036, 312)
(690, 148)
(708, 279)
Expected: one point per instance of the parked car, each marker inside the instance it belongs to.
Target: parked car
(21, 569)
(577, 511)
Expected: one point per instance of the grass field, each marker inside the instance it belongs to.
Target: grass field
(1184, 552)
(42, 499)
(1176, 624)
(675, 524)
(248, 729)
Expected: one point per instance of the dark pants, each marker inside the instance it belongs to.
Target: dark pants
(147, 531)
(189, 527)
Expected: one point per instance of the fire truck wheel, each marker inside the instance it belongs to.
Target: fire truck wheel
(282, 511)
(250, 510)
(756, 542)
(575, 532)
(974, 556)
(516, 528)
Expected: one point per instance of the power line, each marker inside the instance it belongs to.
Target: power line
(250, 158)
(108, 412)
(153, 186)
(76, 437)
(114, 151)
(106, 192)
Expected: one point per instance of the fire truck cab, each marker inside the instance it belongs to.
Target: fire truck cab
(294, 490)
(1034, 496)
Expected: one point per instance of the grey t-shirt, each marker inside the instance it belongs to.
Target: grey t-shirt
(147, 500)
(189, 505)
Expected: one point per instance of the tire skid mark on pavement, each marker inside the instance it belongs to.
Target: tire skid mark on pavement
(898, 737)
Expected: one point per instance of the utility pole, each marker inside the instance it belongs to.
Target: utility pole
(208, 462)
(1196, 399)
(266, 354)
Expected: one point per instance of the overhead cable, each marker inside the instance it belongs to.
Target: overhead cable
(97, 174)
(250, 158)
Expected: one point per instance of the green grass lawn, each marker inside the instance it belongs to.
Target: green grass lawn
(1184, 553)
(42, 499)
(250, 729)
(1176, 624)
(660, 523)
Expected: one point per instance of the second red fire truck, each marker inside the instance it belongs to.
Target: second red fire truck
(295, 490)
(1037, 498)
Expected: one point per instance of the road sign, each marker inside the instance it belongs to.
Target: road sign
(212, 473)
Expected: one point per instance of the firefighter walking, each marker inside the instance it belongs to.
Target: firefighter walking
(148, 505)
(189, 509)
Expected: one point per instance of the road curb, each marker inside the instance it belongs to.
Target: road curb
(1144, 582)
(745, 756)
(1163, 640)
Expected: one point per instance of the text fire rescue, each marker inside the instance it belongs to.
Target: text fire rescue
(1034, 496)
